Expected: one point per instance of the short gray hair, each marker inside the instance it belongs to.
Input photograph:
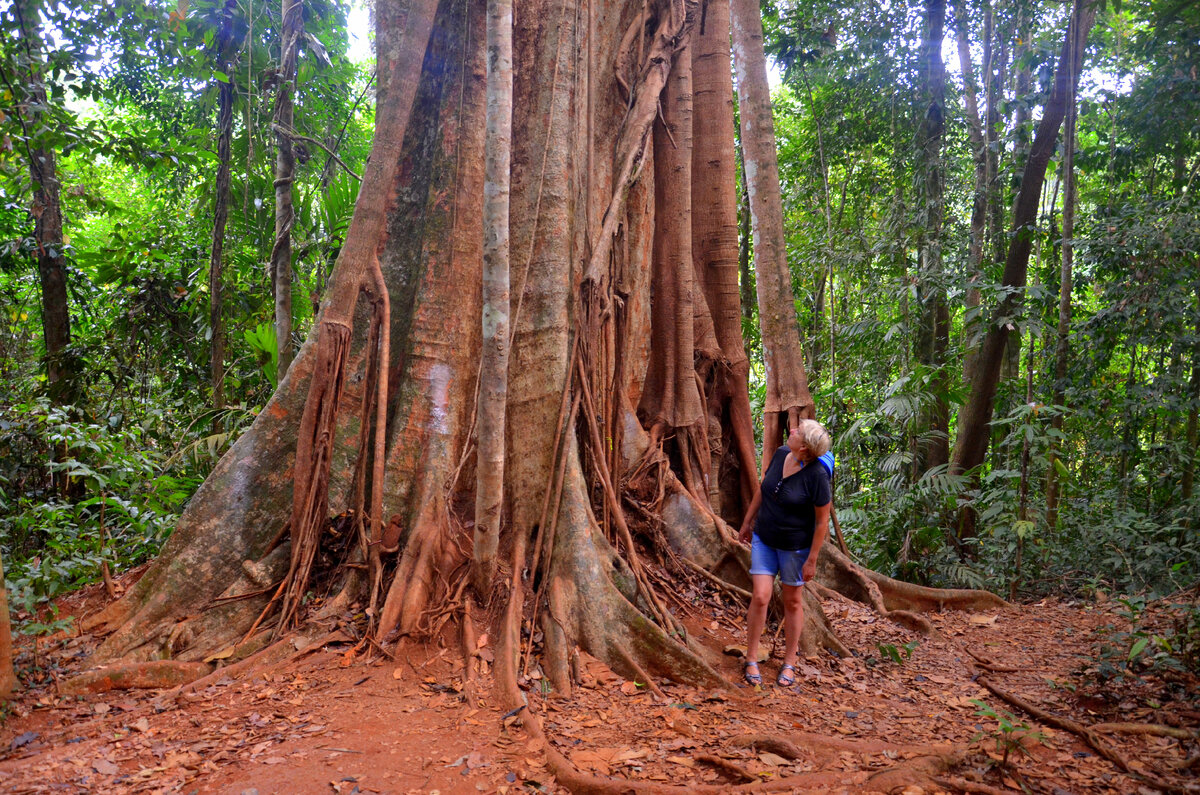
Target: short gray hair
(815, 437)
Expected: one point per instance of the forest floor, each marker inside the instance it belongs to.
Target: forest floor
(327, 723)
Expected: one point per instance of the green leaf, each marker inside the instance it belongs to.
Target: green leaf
(1138, 647)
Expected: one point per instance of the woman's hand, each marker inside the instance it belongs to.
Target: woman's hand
(809, 570)
(746, 534)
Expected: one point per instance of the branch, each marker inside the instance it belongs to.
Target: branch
(291, 134)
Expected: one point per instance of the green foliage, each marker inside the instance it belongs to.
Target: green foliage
(1010, 734)
(897, 654)
(1156, 638)
(76, 494)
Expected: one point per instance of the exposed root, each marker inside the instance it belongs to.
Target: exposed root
(136, 675)
(1153, 729)
(967, 786)
(919, 771)
(794, 748)
(1086, 734)
(988, 665)
(728, 767)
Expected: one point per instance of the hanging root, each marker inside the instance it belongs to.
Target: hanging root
(314, 447)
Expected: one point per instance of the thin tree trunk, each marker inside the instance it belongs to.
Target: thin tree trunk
(493, 365)
(216, 317)
(46, 211)
(1063, 329)
(1192, 435)
(745, 275)
(8, 674)
(933, 331)
(285, 175)
(788, 398)
(976, 415)
(715, 249)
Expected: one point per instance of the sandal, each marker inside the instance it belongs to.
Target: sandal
(787, 676)
(751, 677)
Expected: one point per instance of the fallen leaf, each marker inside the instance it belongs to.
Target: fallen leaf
(983, 621)
(686, 761)
(105, 767)
(772, 760)
(398, 673)
(101, 708)
(629, 688)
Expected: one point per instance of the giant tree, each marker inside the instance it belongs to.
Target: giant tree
(355, 482)
(976, 414)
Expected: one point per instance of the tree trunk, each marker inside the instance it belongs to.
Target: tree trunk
(933, 331)
(8, 674)
(47, 212)
(976, 415)
(1063, 328)
(493, 366)
(216, 316)
(285, 175)
(788, 398)
(601, 207)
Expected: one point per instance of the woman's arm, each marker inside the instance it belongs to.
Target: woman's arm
(747, 531)
(820, 533)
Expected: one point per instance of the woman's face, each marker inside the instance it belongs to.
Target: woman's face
(795, 443)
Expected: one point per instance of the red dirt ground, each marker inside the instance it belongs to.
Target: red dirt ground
(327, 724)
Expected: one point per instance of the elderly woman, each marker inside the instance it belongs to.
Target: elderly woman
(792, 512)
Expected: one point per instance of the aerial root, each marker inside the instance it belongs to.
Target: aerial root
(151, 675)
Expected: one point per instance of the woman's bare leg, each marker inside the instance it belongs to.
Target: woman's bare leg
(793, 621)
(756, 614)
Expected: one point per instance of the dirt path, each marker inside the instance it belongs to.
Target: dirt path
(329, 724)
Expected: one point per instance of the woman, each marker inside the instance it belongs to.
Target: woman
(792, 509)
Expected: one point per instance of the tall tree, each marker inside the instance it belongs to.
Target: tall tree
(285, 177)
(47, 200)
(1063, 327)
(216, 262)
(976, 414)
(717, 255)
(933, 328)
(591, 482)
(8, 674)
(788, 398)
(493, 361)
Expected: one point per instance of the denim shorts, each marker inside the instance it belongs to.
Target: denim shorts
(787, 563)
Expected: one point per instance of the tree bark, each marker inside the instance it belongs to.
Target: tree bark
(493, 366)
(788, 398)
(592, 495)
(285, 176)
(8, 674)
(976, 415)
(715, 250)
(1063, 328)
(979, 151)
(47, 212)
(932, 446)
(216, 315)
